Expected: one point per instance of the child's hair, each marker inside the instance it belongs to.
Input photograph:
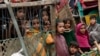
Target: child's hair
(58, 21)
(74, 44)
(92, 17)
(66, 20)
(35, 18)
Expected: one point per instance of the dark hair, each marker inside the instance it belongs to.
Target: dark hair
(58, 21)
(66, 20)
(35, 18)
(92, 17)
(74, 44)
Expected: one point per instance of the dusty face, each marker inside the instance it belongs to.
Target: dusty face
(92, 21)
(73, 50)
(36, 24)
(60, 27)
(83, 29)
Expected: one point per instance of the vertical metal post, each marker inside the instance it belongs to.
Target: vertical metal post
(16, 26)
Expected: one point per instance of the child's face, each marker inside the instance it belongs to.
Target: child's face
(82, 29)
(60, 27)
(92, 21)
(67, 24)
(45, 16)
(47, 25)
(73, 50)
(20, 13)
(36, 24)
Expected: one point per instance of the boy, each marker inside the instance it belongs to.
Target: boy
(20, 17)
(94, 30)
(74, 49)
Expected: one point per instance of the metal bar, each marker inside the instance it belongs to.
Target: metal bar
(16, 26)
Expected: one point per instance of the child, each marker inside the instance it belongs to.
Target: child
(74, 49)
(36, 25)
(68, 33)
(46, 25)
(20, 17)
(45, 16)
(60, 43)
(94, 29)
(82, 37)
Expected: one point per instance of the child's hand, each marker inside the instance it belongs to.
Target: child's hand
(95, 42)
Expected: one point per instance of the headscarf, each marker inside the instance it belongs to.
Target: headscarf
(78, 33)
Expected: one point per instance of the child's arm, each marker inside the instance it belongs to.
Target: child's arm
(80, 51)
(49, 39)
(97, 45)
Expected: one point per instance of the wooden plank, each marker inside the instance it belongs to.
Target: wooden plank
(53, 17)
(26, 4)
(99, 7)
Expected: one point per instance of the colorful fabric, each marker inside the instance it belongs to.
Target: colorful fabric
(91, 53)
(69, 36)
(61, 47)
(61, 5)
(82, 39)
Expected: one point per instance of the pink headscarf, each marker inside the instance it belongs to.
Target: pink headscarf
(82, 39)
(78, 27)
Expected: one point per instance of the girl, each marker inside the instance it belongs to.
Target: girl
(46, 25)
(82, 37)
(36, 25)
(60, 43)
(69, 33)
(45, 15)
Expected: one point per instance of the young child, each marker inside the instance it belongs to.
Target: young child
(45, 16)
(94, 30)
(46, 25)
(45, 39)
(60, 43)
(35, 25)
(74, 49)
(82, 37)
(68, 33)
(20, 17)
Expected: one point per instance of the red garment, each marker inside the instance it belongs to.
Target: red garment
(61, 5)
(82, 39)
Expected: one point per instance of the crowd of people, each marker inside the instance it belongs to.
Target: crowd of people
(67, 40)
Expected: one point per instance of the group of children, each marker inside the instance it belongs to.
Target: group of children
(75, 42)
(68, 41)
